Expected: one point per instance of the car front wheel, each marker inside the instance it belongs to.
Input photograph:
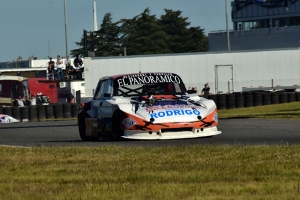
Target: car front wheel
(117, 130)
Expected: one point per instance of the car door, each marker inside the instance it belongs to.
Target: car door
(102, 108)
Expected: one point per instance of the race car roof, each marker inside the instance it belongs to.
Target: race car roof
(140, 73)
(146, 78)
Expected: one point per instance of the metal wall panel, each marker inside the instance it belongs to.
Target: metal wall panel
(250, 68)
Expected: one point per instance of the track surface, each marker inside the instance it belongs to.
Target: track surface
(234, 132)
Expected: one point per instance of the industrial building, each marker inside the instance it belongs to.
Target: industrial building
(260, 24)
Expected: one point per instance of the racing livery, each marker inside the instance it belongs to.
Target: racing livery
(146, 106)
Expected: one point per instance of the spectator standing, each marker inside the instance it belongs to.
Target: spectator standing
(78, 60)
(77, 71)
(78, 68)
(205, 90)
(20, 101)
(33, 100)
(26, 101)
(50, 69)
(59, 65)
(68, 67)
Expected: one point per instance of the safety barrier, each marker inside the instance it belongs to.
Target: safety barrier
(250, 99)
(223, 101)
(36, 113)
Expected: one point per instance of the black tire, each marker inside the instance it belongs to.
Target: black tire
(257, 99)
(266, 98)
(248, 99)
(16, 113)
(33, 113)
(7, 110)
(82, 128)
(283, 97)
(213, 97)
(297, 98)
(291, 96)
(49, 111)
(116, 129)
(24, 113)
(67, 110)
(1, 109)
(221, 101)
(230, 101)
(274, 98)
(239, 100)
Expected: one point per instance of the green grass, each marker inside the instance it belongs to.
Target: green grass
(277, 111)
(195, 172)
(198, 172)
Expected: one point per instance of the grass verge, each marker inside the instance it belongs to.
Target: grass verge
(198, 172)
(277, 111)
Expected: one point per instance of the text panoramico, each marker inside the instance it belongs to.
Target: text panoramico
(138, 79)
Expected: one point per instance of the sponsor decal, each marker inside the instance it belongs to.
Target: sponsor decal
(138, 79)
(169, 113)
(170, 107)
(129, 122)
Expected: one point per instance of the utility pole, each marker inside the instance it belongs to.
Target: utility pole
(66, 30)
(85, 43)
(227, 30)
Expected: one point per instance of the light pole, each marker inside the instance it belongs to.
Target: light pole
(227, 30)
(66, 31)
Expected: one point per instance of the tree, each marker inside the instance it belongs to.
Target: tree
(180, 38)
(79, 51)
(107, 38)
(143, 35)
(32, 57)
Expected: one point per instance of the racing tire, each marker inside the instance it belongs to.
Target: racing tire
(266, 98)
(283, 97)
(1, 109)
(257, 99)
(7, 110)
(221, 101)
(116, 128)
(239, 100)
(82, 128)
(16, 113)
(230, 101)
(297, 96)
(291, 96)
(248, 99)
(274, 98)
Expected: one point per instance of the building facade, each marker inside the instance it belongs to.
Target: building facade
(260, 24)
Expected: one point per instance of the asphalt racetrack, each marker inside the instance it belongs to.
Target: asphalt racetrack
(234, 132)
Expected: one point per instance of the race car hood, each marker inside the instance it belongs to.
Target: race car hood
(166, 109)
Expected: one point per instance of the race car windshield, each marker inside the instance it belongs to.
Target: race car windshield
(151, 89)
(149, 83)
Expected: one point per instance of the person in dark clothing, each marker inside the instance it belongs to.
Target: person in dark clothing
(50, 70)
(205, 90)
(78, 68)
(26, 101)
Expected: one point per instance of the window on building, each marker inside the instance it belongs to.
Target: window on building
(0, 88)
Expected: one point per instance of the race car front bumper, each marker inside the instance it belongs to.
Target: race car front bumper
(171, 134)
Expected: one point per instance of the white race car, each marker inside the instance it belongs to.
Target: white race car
(7, 119)
(146, 106)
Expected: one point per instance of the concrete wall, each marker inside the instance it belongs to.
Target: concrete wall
(250, 68)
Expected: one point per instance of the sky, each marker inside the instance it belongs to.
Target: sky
(37, 27)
